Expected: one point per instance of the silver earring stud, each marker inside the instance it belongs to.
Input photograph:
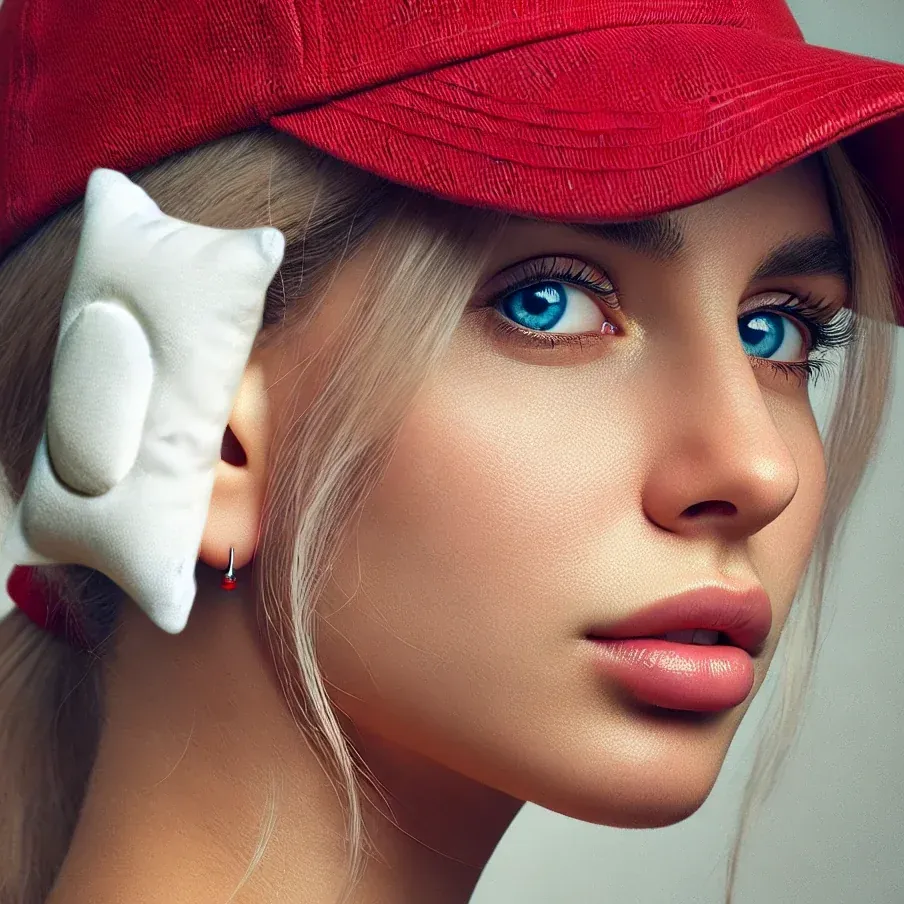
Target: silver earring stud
(228, 582)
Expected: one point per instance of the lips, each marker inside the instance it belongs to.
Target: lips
(744, 617)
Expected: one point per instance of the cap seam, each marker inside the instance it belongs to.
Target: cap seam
(555, 110)
(697, 115)
(437, 69)
(712, 99)
(861, 124)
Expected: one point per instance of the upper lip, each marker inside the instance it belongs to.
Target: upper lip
(744, 616)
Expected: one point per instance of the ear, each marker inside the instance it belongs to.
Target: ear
(238, 494)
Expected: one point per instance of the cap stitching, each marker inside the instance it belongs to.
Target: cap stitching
(720, 123)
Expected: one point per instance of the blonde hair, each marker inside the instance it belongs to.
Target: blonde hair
(331, 454)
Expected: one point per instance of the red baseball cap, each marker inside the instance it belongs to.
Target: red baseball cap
(574, 110)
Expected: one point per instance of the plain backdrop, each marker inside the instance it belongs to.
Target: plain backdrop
(832, 833)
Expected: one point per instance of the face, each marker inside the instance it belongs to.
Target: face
(623, 417)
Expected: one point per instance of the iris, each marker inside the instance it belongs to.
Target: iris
(537, 307)
(763, 333)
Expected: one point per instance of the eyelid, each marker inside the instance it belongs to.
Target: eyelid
(563, 267)
(788, 302)
(761, 301)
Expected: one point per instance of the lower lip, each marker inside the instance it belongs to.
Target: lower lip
(696, 677)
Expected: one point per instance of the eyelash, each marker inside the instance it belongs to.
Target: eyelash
(827, 329)
(824, 327)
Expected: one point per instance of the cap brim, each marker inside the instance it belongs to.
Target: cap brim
(616, 124)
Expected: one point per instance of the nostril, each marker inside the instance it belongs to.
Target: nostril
(711, 507)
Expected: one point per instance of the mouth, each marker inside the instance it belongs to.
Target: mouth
(700, 636)
(692, 652)
(678, 674)
(708, 616)
(692, 636)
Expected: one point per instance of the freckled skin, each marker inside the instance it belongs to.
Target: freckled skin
(535, 494)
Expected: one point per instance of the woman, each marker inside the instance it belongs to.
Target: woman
(534, 367)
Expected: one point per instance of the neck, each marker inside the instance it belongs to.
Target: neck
(204, 789)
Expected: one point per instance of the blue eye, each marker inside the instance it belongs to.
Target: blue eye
(768, 335)
(553, 306)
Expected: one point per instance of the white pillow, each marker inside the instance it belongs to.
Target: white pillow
(156, 330)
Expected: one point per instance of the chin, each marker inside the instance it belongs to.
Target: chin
(633, 796)
(646, 811)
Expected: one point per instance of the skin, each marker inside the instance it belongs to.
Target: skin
(534, 494)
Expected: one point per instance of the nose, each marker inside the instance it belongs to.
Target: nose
(721, 464)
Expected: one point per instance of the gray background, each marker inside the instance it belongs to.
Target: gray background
(832, 833)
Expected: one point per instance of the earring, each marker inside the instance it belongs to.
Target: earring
(228, 582)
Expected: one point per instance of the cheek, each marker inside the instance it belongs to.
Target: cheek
(468, 579)
(492, 494)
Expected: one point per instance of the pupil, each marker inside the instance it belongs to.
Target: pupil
(535, 304)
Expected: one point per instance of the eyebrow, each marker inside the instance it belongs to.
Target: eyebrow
(662, 239)
(812, 255)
